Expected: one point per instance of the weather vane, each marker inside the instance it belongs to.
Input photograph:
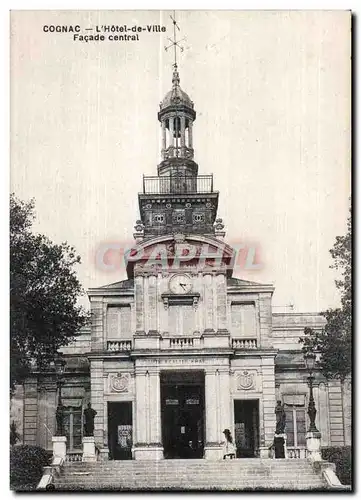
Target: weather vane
(174, 42)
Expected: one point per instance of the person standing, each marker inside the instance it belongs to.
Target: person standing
(229, 450)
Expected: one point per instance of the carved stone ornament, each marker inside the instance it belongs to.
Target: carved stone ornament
(245, 380)
(179, 237)
(119, 382)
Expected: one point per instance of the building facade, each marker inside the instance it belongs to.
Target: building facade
(182, 349)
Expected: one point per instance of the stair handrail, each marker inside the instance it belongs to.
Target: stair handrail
(49, 472)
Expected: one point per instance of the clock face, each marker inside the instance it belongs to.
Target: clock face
(180, 283)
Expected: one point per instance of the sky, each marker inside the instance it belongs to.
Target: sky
(272, 95)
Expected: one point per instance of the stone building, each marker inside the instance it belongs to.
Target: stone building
(182, 349)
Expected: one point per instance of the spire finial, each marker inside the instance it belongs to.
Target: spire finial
(175, 43)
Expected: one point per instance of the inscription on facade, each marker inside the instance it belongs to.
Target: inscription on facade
(181, 361)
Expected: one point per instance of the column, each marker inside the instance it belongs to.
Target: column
(183, 131)
(164, 136)
(171, 131)
(213, 446)
(190, 138)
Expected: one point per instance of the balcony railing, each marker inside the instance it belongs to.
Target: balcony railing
(178, 184)
(244, 343)
(180, 343)
(119, 345)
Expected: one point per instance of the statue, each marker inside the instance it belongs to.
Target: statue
(280, 418)
(89, 415)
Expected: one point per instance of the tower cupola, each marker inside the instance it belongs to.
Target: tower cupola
(176, 116)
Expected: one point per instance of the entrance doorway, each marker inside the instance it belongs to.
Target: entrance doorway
(182, 409)
(120, 430)
(246, 427)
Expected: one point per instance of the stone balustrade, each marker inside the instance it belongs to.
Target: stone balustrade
(296, 452)
(119, 345)
(181, 343)
(244, 343)
(74, 456)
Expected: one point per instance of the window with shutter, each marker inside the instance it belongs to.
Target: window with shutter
(181, 319)
(73, 427)
(243, 320)
(295, 419)
(119, 322)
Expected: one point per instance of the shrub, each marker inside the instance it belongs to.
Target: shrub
(342, 458)
(26, 465)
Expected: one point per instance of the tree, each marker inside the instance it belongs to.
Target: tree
(44, 289)
(334, 342)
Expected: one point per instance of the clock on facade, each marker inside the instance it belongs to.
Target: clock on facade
(180, 283)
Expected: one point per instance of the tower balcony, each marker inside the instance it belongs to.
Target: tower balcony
(178, 184)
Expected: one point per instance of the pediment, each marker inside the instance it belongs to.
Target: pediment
(181, 250)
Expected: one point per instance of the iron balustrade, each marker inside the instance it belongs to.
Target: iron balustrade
(177, 184)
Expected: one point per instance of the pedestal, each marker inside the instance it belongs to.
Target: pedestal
(264, 452)
(278, 440)
(89, 449)
(147, 452)
(213, 452)
(313, 442)
(59, 447)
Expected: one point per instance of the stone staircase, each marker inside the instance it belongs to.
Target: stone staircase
(183, 475)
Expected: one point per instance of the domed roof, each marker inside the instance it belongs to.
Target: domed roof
(176, 96)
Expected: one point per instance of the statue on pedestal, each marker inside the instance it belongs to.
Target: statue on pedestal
(89, 415)
(279, 438)
(280, 418)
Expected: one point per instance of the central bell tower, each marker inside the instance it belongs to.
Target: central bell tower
(178, 200)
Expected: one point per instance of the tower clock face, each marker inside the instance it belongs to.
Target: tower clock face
(180, 283)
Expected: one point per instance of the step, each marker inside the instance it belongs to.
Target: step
(196, 474)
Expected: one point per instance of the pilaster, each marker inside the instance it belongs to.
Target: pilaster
(97, 399)
(336, 413)
(147, 443)
(139, 303)
(213, 446)
(268, 399)
(30, 411)
(97, 324)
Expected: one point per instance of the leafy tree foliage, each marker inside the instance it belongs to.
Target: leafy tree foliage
(44, 289)
(334, 342)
